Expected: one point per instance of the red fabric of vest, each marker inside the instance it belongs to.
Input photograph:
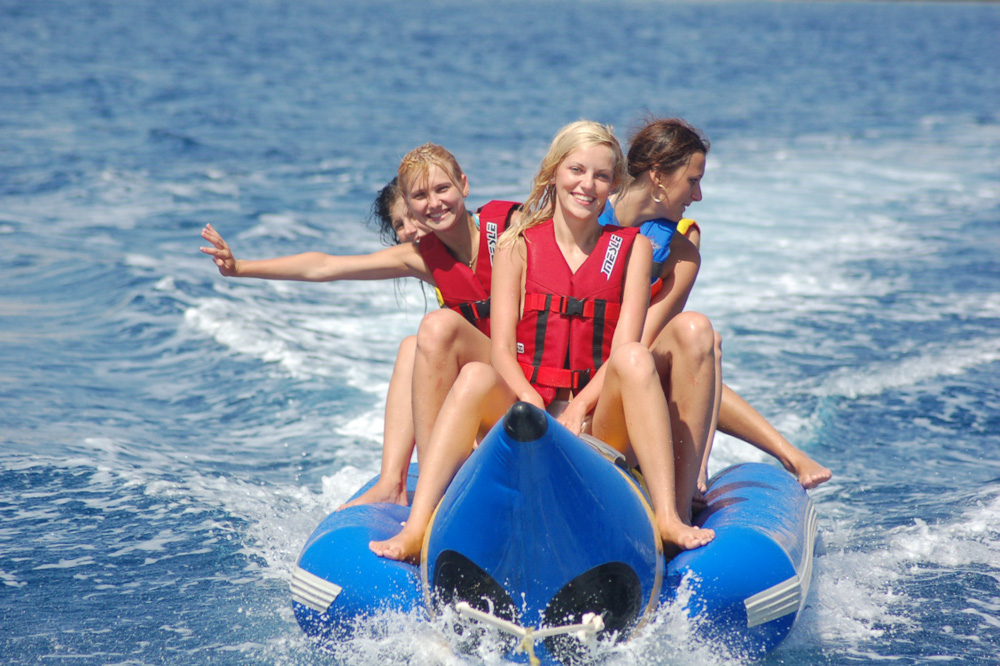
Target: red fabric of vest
(564, 334)
(462, 290)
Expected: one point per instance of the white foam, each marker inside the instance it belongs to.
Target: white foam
(65, 563)
(402, 638)
(221, 320)
(854, 597)
(669, 631)
(857, 592)
(368, 424)
(930, 362)
(279, 518)
(972, 540)
(279, 225)
(790, 228)
(10, 580)
(338, 487)
(313, 330)
(157, 544)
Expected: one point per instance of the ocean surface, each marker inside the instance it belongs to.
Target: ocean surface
(169, 438)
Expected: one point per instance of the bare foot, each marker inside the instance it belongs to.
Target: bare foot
(685, 537)
(809, 472)
(404, 547)
(379, 493)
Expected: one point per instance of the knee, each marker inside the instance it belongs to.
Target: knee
(474, 378)
(633, 360)
(694, 334)
(438, 331)
(405, 355)
(718, 345)
(407, 347)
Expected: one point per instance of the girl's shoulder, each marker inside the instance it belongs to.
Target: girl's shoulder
(686, 225)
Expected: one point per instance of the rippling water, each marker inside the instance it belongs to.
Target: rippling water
(170, 438)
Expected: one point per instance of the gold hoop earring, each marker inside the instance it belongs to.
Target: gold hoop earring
(654, 198)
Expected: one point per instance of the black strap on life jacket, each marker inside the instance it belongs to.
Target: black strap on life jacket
(597, 309)
(475, 311)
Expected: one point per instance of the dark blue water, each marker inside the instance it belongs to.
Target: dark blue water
(168, 438)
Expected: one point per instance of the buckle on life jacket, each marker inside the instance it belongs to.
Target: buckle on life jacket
(573, 307)
(579, 379)
(475, 311)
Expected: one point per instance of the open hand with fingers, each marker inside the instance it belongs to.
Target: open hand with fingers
(220, 252)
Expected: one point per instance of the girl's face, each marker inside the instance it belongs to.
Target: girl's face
(403, 223)
(583, 182)
(681, 188)
(436, 201)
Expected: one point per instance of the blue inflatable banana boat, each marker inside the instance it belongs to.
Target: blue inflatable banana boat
(549, 539)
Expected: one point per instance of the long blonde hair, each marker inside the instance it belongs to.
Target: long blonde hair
(416, 165)
(540, 205)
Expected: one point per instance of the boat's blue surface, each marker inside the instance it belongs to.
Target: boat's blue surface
(749, 584)
(338, 581)
(539, 528)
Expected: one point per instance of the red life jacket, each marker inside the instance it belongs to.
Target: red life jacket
(458, 287)
(569, 319)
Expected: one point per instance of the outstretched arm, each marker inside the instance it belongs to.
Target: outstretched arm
(394, 262)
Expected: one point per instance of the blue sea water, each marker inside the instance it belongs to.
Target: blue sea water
(169, 438)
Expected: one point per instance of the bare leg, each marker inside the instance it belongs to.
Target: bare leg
(739, 419)
(397, 440)
(685, 360)
(703, 474)
(632, 415)
(445, 343)
(477, 400)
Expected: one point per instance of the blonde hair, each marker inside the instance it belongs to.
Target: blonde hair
(540, 205)
(416, 165)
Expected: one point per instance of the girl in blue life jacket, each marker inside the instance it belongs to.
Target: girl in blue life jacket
(666, 163)
(583, 166)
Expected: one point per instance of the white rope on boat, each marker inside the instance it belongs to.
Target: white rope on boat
(591, 625)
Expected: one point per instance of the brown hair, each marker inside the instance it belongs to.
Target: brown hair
(664, 145)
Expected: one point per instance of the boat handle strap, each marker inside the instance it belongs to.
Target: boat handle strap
(591, 625)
